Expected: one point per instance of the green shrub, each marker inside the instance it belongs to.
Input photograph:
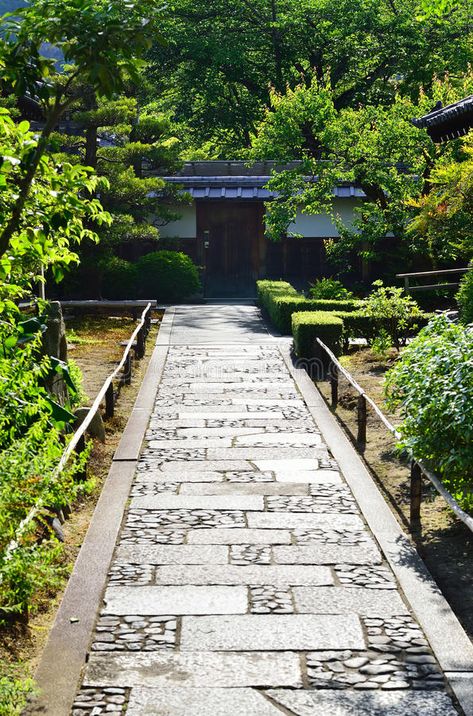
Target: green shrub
(464, 298)
(32, 440)
(356, 324)
(281, 300)
(14, 694)
(391, 311)
(120, 279)
(329, 288)
(432, 383)
(307, 326)
(267, 290)
(167, 276)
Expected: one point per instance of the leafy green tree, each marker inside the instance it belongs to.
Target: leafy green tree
(101, 42)
(375, 147)
(444, 218)
(56, 213)
(123, 143)
(217, 70)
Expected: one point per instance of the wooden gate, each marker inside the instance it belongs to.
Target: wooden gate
(231, 233)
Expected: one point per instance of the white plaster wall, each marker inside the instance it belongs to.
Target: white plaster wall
(321, 225)
(185, 227)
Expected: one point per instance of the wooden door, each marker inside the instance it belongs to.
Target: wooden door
(233, 231)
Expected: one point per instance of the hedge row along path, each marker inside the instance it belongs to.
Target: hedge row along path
(257, 571)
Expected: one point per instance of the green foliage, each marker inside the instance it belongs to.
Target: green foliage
(391, 311)
(306, 327)
(432, 383)
(120, 278)
(56, 214)
(372, 146)
(216, 71)
(33, 435)
(14, 694)
(167, 276)
(382, 344)
(356, 324)
(464, 298)
(444, 224)
(329, 288)
(80, 397)
(281, 300)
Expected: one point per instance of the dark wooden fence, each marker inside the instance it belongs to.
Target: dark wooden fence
(418, 470)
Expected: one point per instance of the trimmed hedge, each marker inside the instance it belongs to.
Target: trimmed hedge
(307, 326)
(281, 301)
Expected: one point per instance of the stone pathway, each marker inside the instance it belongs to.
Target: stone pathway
(245, 581)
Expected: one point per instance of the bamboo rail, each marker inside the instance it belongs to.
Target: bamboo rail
(418, 468)
(77, 442)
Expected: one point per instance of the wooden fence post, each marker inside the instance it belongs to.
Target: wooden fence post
(416, 498)
(127, 370)
(109, 402)
(82, 474)
(140, 343)
(333, 376)
(361, 437)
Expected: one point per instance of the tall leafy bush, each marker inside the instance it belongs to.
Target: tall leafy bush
(432, 383)
(465, 297)
(167, 276)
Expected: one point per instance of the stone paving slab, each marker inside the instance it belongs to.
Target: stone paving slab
(260, 453)
(157, 601)
(303, 520)
(272, 632)
(251, 574)
(368, 553)
(172, 554)
(244, 488)
(343, 600)
(239, 536)
(200, 702)
(371, 703)
(199, 502)
(199, 669)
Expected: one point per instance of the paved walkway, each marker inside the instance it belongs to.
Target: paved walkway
(245, 581)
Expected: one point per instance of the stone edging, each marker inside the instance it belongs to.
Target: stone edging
(448, 640)
(64, 656)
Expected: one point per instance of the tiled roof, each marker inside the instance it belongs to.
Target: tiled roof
(450, 122)
(241, 187)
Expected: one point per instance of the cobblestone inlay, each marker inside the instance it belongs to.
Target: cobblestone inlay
(250, 554)
(328, 498)
(130, 574)
(332, 536)
(152, 458)
(243, 476)
(134, 633)
(92, 701)
(150, 535)
(398, 657)
(370, 577)
(142, 519)
(270, 600)
(148, 489)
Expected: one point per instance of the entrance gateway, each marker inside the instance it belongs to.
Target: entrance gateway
(222, 227)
